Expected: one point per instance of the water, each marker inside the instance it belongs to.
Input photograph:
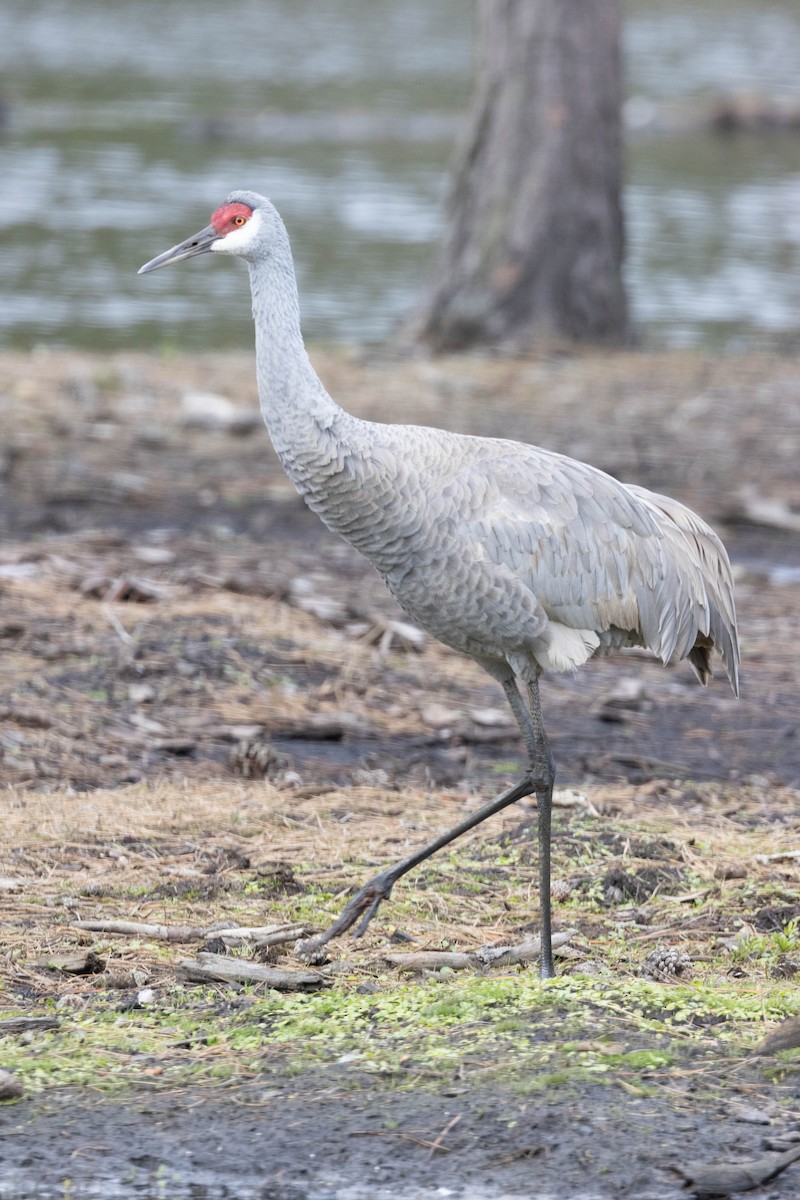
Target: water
(124, 128)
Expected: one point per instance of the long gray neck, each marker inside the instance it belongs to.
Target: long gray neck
(341, 465)
(298, 412)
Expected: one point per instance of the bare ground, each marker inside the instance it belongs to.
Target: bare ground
(211, 711)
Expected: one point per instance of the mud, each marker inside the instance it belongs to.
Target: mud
(327, 1139)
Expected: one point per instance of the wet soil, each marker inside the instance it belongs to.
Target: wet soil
(314, 1139)
(171, 611)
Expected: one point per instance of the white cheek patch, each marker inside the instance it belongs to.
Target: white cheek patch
(238, 241)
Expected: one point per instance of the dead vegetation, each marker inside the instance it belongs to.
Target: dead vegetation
(130, 874)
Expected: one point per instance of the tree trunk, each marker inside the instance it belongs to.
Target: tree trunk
(534, 241)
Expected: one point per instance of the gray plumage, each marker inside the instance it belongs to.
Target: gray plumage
(521, 558)
(505, 551)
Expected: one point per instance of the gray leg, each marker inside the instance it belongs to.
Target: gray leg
(365, 903)
(539, 781)
(542, 776)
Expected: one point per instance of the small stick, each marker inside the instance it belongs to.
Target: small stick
(116, 624)
(262, 935)
(485, 956)
(432, 960)
(163, 933)
(436, 1144)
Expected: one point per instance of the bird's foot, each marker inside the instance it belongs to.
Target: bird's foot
(363, 905)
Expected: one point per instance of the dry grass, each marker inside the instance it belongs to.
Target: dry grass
(185, 853)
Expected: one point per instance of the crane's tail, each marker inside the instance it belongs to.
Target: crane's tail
(701, 563)
(700, 658)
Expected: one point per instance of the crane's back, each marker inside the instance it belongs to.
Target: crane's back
(499, 548)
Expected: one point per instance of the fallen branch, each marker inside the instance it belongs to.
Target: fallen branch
(719, 1179)
(83, 962)
(224, 969)
(266, 937)
(24, 1024)
(432, 960)
(525, 951)
(161, 933)
(485, 956)
(261, 935)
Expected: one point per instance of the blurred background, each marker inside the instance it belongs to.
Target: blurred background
(124, 126)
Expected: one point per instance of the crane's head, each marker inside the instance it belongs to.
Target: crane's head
(240, 226)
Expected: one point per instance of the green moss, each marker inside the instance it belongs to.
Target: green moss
(511, 1027)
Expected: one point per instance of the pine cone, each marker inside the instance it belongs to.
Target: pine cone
(666, 964)
(254, 759)
(560, 889)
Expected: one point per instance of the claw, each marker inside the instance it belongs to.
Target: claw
(370, 898)
(370, 913)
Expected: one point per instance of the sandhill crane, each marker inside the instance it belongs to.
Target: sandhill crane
(521, 558)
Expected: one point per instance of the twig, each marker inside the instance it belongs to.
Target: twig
(437, 1142)
(433, 960)
(485, 956)
(261, 935)
(162, 933)
(264, 935)
(404, 1134)
(116, 624)
(679, 928)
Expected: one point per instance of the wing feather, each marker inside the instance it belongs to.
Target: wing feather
(598, 554)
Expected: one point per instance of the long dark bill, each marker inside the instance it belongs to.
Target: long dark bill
(201, 243)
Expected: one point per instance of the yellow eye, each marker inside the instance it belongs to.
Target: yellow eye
(239, 221)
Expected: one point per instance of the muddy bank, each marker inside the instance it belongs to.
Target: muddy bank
(337, 1140)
